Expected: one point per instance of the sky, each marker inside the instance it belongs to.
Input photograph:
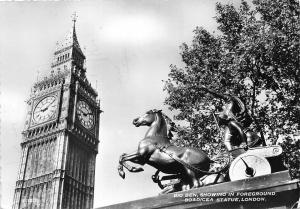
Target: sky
(129, 47)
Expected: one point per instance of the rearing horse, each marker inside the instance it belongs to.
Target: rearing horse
(150, 152)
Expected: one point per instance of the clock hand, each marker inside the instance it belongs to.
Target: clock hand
(44, 107)
(89, 113)
(48, 106)
(85, 113)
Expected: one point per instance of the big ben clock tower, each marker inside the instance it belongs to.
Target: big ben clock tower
(60, 139)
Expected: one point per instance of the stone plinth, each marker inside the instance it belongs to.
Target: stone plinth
(275, 190)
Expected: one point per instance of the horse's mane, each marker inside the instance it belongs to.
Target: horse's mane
(170, 125)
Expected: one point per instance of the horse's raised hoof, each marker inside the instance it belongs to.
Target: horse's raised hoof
(122, 174)
(155, 178)
(135, 170)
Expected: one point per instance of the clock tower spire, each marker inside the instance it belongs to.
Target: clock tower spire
(61, 135)
(68, 53)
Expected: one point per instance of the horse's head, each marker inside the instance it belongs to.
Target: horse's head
(147, 119)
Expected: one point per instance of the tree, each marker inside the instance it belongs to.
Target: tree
(255, 54)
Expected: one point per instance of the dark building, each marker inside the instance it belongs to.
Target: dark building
(60, 139)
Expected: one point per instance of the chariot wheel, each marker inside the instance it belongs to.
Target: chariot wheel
(247, 166)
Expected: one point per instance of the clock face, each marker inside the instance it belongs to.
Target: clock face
(85, 114)
(45, 109)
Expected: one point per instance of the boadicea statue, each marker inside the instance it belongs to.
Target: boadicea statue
(188, 167)
(188, 164)
(236, 120)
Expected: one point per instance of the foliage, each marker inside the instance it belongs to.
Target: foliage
(255, 55)
(292, 156)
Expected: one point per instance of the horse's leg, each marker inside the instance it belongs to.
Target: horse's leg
(168, 189)
(192, 178)
(124, 164)
(155, 177)
(185, 187)
(173, 188)
(120, 167)
(134, 157)
(185, 183)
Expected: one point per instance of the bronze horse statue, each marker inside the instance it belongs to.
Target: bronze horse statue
(156, 150)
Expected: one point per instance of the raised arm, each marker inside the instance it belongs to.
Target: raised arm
(215, 94)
